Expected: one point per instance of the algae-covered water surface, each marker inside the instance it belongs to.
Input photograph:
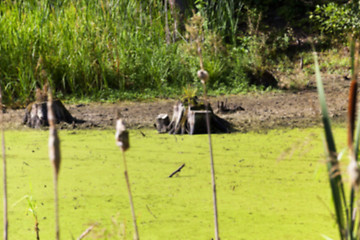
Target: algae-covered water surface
(270, 185)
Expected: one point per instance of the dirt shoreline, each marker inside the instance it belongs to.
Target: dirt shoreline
(262, 111)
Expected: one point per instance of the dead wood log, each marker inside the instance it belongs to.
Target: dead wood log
(224, 108)
(36, 114)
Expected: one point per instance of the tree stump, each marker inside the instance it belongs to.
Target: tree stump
(192, 120)
(162, 122)
(36, 114)
(196, 121)
(176, 125)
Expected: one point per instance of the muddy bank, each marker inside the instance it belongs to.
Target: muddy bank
(261, 110)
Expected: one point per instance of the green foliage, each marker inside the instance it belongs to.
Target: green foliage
(189, 94)
(222, 16)
(108, 50)
(339, 20)
(335, 178)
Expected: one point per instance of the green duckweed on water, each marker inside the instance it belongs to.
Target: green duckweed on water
(271, 185)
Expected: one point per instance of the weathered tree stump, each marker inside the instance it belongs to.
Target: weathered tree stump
(162, 122)
(176, 125)
(192, 120)
(36, 114)
(196, 121)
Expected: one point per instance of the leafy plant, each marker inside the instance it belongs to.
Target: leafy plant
(189, 95)
(32, 206)
(339, 20)
(347, 214)
(32, 209)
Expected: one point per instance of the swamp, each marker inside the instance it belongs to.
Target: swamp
(82, 84)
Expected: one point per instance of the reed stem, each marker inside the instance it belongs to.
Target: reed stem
(55, 159)
(204, 77)
(6, 221)
(37, 230)
(56, 194)
(130, 198)
(213, 181)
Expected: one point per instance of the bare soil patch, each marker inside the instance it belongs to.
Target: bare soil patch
(261, 110)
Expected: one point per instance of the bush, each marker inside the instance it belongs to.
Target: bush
(337, 20)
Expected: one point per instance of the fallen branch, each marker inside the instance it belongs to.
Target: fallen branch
(177, 170)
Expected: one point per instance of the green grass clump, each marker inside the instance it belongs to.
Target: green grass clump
(263, 192)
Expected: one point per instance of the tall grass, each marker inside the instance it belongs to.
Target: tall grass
(223, 17)
(89, 48)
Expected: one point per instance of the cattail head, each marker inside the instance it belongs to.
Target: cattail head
(354, 173)
(122, 135)
(203, 75)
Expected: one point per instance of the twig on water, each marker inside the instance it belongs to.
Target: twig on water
(6, 221)
(55, 158)
(122, 141)
(177, 170)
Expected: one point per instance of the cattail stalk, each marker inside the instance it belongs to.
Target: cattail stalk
(213, 181)
(353, 168)
(122, 141)
(204, 77)
(55, 158)
(6, 221)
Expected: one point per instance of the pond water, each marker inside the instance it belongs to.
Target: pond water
(271, 185)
